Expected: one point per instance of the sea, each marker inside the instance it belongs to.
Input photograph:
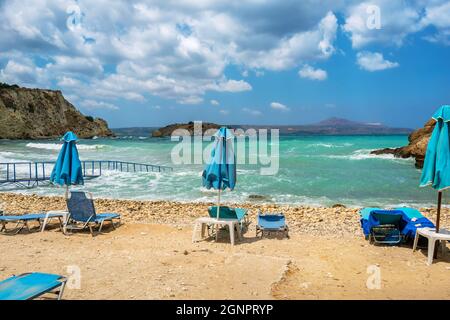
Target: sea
(312, 170)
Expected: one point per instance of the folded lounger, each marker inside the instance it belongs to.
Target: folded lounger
(82, 213)
(385, 226)
(411, 220)
(23, 220)
(271, 223)
(32, 285)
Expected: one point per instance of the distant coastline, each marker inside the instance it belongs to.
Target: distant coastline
(328, 127)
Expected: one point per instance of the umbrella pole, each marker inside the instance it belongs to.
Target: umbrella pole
(438, 218)
(218, 205)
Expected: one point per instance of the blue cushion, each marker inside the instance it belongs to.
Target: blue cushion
(271, 221)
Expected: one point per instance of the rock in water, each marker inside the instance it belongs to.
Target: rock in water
(37, 113)
(417, 147)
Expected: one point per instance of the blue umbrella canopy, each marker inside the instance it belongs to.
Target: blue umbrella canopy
(68, 170)
(220, 172)
(436, 168)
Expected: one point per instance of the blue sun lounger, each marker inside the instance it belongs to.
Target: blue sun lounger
(82, 213)
(29, 286)
(23, 220)
(267, 223)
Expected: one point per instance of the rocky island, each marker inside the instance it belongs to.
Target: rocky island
(39, 114)
(417, 147)
(167, 130)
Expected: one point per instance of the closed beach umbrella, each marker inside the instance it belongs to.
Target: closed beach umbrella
(68, 170)
(220, 172)
(436, 169)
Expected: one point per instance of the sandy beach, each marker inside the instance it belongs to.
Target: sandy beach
(151, 256)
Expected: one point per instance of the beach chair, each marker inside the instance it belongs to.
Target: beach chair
(82, 213)
(22, 221)
(385, 226)
(268, 223)
(29, 286)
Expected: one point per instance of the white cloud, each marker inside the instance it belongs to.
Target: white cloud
(179, 50)
(374, 61)
(214, 102)
(224, 112)
(253, 112)
(309, 72)
(397, 18)
(92, 105)
(231, 86)
(279, 106)
(23, 71)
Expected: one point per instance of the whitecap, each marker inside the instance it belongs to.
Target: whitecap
(57, 146)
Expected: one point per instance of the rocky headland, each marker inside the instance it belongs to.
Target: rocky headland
(417, 146)
(40, 114)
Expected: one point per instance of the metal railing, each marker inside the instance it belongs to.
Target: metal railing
(32, 173)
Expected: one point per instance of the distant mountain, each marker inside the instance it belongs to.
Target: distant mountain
(330, 126)
(337, 126)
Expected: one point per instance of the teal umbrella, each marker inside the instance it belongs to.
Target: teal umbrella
(220, 172)
(68, 170)
(436, 169)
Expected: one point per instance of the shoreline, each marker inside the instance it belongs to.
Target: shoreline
(302, 219)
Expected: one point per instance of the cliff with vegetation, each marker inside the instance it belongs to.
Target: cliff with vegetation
(37, 114)
(417, 147)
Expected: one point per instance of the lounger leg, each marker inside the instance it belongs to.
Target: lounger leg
(431, 244)
(101, 226)
(90, 229)
(3, 227)
(416, 240)
(61, 290)
(44, 223)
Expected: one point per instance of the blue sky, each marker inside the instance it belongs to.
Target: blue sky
(150, 63)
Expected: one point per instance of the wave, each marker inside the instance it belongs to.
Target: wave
(329, 145)
(364, 154)
(57, 146)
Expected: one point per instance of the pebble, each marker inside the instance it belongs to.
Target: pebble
(333, 222)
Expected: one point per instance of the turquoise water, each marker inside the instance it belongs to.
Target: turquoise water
(315, 170)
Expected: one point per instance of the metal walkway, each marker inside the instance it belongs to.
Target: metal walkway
(30, 174)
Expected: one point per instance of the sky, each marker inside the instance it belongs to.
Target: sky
(151, 63)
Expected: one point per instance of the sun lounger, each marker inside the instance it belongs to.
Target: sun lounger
(22, 221)
(82, 213)
(29, 286)
(267, 223)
